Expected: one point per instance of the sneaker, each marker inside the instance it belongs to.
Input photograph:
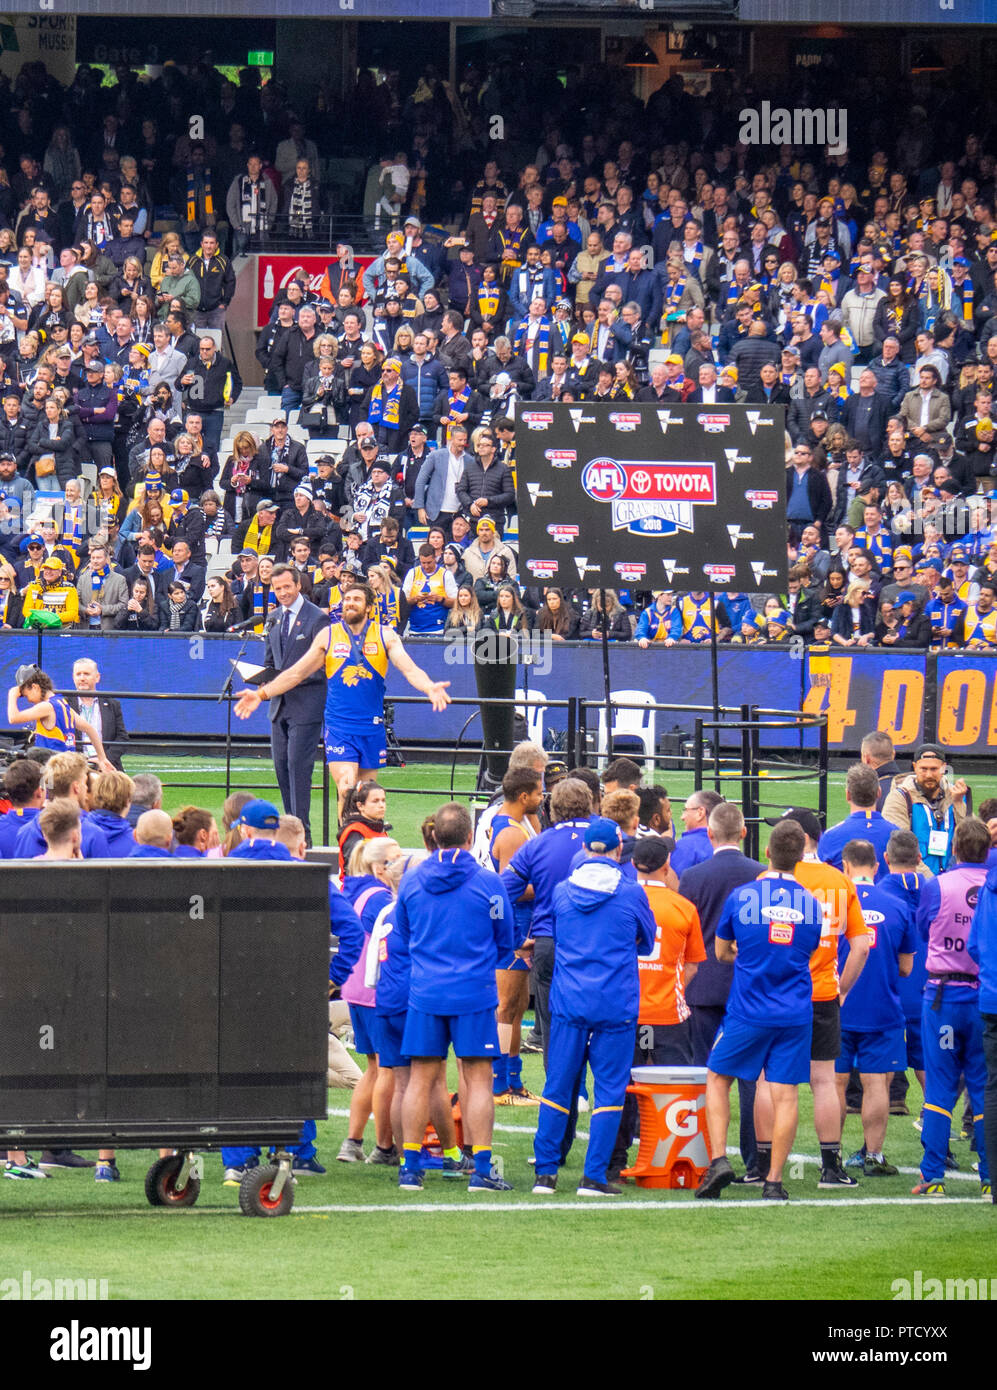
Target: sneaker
(719, 1175)
(928, 1189)
(591, 1187)
(64, 1158)
(106, 1172)
(774, 1192)
(523, 1097)
(457, 1167)
(544, 1184)
(502, 1097)
(986, 1191)
(493, 1183)
(899, 1108)
(408, 1181)
(916, 1124)
(752, 1177)
(855, 1160)
(836, 1177)
(17, 1171)
(307, 1168)
(583, 1105)
(351, 1151)
(530, 1044)
(879, 1168)
(389, 1158)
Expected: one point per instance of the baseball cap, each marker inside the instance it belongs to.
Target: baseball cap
(25, 675)
(905, 597)
(930, 750)
(804, 817)
(104, 472)
(34, 541)
(580, 338)
(178, 497)
(652, 853)
(277, 420)
(266, 505)
(260, 815)
(248, 555)
(559, 202)
(412, 221)
(818, 415)
(368, 442)
(675, 357)
(97, 366)
(418, 428)
(5, 455)
(52, 562)
(603, 835)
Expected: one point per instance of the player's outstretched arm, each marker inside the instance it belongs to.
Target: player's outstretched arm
(249, 701)
(43, 710)
(435, 691)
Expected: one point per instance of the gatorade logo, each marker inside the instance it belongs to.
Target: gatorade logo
(680, 1118)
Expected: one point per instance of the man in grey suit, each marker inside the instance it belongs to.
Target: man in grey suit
(296, 717)
(436, 498)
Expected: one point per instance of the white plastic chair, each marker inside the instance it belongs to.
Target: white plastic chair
(533, 713)
(637, 723)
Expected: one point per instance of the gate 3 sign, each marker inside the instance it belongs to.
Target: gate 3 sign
(624, 495)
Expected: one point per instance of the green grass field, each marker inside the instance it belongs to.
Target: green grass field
(352, 1235)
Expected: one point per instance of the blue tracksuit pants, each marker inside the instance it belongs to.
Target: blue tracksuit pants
(609, 1052)
(952, 1037)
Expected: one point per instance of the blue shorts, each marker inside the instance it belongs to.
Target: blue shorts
(368, 751)
(362, 1019)
(430, 1035)
(390, 1029)
(745, 1050)
(871, 1052)
(915, 1047)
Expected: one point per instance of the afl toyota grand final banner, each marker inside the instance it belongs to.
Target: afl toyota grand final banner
(653, 497)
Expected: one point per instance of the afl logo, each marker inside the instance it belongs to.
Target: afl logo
(604, 480)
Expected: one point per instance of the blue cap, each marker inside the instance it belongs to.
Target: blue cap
(905, 597)
(782, 618)
(959, 260)
(178, 497)
(260, 815)
(603, 835)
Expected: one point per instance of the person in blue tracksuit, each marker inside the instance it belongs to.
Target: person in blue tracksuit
(541, 865)
(64, 775)
(872, 1017)
(602, 923)
(112, 795)
(22, 787)
(456, 921)
(768, 929)
(903, 854)
(259, 822)
(389, 970)
(951, 1026)
(982, 948)
(694, 845)
(864, 822)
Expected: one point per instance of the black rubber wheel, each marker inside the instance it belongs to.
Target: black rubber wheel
(254, 1193)
(161, 1188)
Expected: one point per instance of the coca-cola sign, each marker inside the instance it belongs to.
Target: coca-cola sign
(274, 273)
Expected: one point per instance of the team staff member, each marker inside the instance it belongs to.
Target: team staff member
(540, 866)
(355, 653)
(22, 787)
(982, 947)
(842, 917)
(603, 922)
(864, 823)
(905, 883)
(295, 717)
(515, 822)
(65, 777)
(769, 931)
(664, 1031)
(258, 824)
(455, 919)
(951, 1027)
(872, 1018)
(56, 725)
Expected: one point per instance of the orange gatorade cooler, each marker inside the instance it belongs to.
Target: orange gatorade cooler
(674, 1150)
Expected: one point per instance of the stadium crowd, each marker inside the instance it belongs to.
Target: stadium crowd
(860, 951)
(646, 255)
